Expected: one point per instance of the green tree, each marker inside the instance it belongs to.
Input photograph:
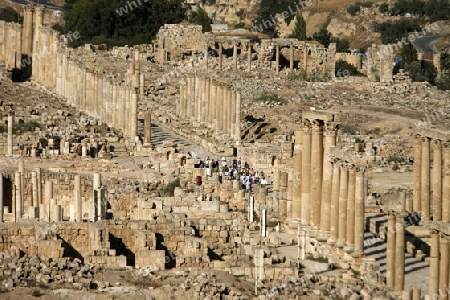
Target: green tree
(342, 45)
(9, 14)
(120, 22)
(384, 8)
(408, 54)
(200, 17)
(299, 31)
(323, 36)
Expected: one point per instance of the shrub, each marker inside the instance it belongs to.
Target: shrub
(443, 82)
(36, 293)
(320, 259)
(395, 158)
(384, 8)
(169, 190)
(348, 129)
(342, 65)
(272, 98)
(353, 10)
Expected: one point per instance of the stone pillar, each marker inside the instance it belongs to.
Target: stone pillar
(434, 264)
(277, 59)
(444, 268)
(251, 209)
(400, 254)
(220, 56)
(10, 134)
(446, 185)
(306, 173)
(350, 235)
(330, 141)
(437, 180)
(343, 194)
(249, 57)
(98, 204)
(206, 55)
(297, 182)
(316, 172)
(291, 57)
(77, 198)
(147, 129)
(2, 193)
(237, 134)
(263, 223)
(39, 184)
(34, 194)
(282, 197)
(133, 115)
(334, 207)
(425, 178)
(18, 199)
(359, 214)
(390, 251)
(234, 56)
(47, 199)
(27, 31)
(417, 170)
(22, 183)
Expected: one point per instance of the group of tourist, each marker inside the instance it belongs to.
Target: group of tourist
(235, 169)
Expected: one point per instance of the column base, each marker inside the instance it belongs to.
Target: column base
(349, 249)
(332, 241)
(340, 243)
(358, 254)
(147, 145)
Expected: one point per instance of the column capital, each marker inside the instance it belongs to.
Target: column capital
(307, 126)
(425, 139)
(331, 128)
(436, 143)
(316, 126)
(351, 168)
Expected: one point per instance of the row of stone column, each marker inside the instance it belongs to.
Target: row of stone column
(395, 251)
(327, 193)
(235, 47)
(107, 99)
(431, 198)
(46, 208)
(439, 284)
(213, 103)
(11, 45)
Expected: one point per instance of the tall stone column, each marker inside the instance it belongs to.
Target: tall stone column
(134, 114)
(334, 208)
(343, 194)
(237, 134)
(48, 198)
(400, 254)
(249, 57)
(306, 173)
(444, 268)
(234, 56)
(77, 196)
(316, 171)
(34, 188)
(425, 178)
(10, 133)
(291, 57)
(390, 251)
(27, 31)
(417, 170)
(277, 59)
(437, 180)
(39, 184)
(18, 189)
(206, 102)
(22, 182)
(330, 141)
(220, 56)
(2, 193)
(196, 104)
(206, 55)
(297, 182)
(359, 214)
(434, 264)
(147, 129)
(351, 208)
(446, 185)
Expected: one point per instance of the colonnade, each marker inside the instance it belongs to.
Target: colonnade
(42, 205)
(431, 191)
(328, 192)
(213, 103)
(439, 284)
